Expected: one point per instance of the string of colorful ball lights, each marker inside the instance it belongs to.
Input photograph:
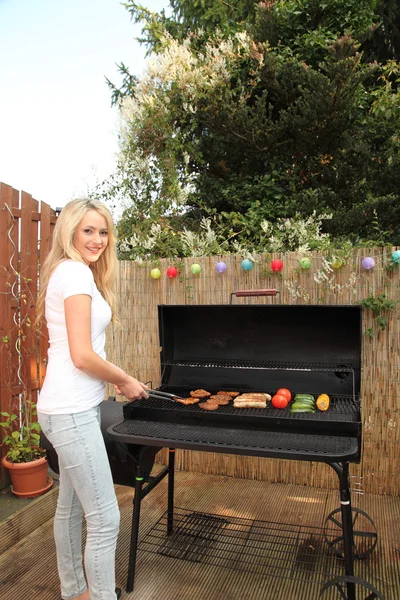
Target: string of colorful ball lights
(367, 263)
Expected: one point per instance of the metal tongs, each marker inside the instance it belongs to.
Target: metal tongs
(163, 395)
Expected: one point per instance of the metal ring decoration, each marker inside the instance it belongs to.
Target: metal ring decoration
(341, 584)
(365, 536)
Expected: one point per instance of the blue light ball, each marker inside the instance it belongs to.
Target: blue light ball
(396, 256)
(247, 264)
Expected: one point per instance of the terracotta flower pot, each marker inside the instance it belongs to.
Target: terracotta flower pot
(28, 479)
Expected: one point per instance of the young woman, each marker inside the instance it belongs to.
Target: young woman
(76, 298)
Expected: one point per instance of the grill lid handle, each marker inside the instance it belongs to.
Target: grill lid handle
(256, 292)
(242, 293)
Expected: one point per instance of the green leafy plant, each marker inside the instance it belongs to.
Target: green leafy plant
(379, 305)
(22, 434)
(382, 238)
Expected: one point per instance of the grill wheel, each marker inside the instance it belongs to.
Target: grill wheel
(365, 536)
(360, 586)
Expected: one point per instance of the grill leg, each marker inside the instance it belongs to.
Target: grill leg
(171, 481)
(345, 504)
(143, 460)
(135, 530)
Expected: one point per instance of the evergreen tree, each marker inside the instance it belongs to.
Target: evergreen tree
(275, 114)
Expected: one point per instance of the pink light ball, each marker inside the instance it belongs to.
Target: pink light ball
(276, 265)
(155, 274)
(196, 269)
(172, 272)
(247, 264)
(367, 263)
(221, 267)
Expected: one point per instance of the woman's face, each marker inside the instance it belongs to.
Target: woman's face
(91, 236)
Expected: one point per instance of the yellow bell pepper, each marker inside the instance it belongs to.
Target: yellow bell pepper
(323, 402)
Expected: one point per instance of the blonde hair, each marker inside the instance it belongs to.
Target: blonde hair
(104, 270)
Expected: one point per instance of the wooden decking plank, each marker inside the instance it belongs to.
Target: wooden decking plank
(161, 577)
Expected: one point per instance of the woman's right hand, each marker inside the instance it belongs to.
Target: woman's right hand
(132, 389)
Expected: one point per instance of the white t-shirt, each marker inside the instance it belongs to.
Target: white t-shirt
(66, 389)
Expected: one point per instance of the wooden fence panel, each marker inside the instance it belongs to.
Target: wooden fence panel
(29, 281)
(21, 253)
(6, 253)
(13, 234)
(47, 222)
(8, 264)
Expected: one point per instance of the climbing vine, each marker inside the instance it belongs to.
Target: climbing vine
(380, 305)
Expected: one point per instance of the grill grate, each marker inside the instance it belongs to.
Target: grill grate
(262, 443)
(198, 530)
(325, 436)
(280, 550)
(342, 408)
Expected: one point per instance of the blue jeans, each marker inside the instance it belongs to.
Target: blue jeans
(86, 487)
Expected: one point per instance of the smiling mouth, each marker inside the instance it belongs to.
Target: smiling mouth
(94, 250)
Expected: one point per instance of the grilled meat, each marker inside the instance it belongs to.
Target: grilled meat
(200, 394)
(187, 401)
(208, 405)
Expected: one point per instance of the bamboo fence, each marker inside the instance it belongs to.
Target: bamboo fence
(135, 347)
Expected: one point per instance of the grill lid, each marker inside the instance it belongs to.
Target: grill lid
(310, 349)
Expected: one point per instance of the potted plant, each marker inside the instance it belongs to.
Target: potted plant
(25, 460)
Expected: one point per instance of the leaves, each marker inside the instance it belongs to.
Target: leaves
(267, 112)
(379, 305)
(22, 437)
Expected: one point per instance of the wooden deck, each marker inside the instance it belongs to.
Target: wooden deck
(256, 541)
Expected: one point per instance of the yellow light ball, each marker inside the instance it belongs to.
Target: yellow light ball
(155, 273)
(336, 263)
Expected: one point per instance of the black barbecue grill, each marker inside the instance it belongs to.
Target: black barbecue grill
(308, 349)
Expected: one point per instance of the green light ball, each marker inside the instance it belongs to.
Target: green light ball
(195, 269)
(155, 273)
(305, 263)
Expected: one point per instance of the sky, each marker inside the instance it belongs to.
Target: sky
(58, 132)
